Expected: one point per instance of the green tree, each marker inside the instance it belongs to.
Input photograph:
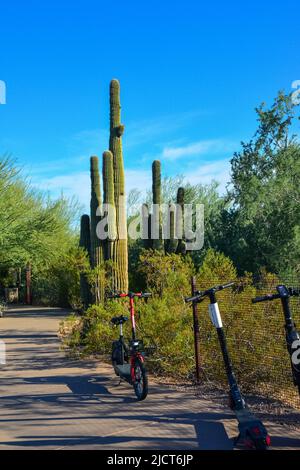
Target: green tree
(262, 227)
(33, 228)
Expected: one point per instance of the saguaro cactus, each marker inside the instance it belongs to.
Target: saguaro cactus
(157, 242)
(181, 247)
(172, 243)
(96, 255)
(109, 199)
(85, 242)
(146, 226)
(96, 243)
(119, 248)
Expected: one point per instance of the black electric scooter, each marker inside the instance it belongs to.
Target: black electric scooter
(252, 432)
(292, 336)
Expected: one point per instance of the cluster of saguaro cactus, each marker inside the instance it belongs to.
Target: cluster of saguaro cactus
(114, 247)
(152, 222)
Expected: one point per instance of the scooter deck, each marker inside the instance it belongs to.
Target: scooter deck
(124, 371)
(252, 432)
(244, 415)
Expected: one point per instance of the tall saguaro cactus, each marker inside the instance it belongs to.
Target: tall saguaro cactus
(109, 200)
(146, 226)
(181, 247)
(96, 255)
(172, 243)
(85, 242)
(156, 216)
(119, 248)
(96, 243)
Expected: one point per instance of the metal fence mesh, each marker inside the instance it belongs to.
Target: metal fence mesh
(256, 343)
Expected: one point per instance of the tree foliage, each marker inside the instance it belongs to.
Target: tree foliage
(34, 228)
(262, 226)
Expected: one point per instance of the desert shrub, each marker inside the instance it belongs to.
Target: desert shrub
(165, 275)
(92, 333)
(59, 283)
(166, 324)
(70, 333)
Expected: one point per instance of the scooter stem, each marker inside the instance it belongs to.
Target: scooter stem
(131, 308)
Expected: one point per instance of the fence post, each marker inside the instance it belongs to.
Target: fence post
(28, 284)
(196, 331)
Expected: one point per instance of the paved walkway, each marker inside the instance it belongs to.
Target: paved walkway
(48, 401)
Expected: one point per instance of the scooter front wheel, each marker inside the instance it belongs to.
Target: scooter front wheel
(140, 379)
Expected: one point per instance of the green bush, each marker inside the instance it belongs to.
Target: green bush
(58, 284)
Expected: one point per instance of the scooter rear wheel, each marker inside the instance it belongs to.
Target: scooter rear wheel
(140, 383)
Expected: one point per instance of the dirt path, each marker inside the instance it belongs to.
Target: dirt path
(48, 401)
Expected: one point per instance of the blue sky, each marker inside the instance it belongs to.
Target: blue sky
(191, 73)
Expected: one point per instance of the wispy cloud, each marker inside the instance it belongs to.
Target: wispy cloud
(90, 140)
(144, 131)
(70, 175)
(61, 165)
(202, 147)
(78, 184)
(71, 185)
(218, 170)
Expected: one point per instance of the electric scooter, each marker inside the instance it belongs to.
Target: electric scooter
(292, 336)
(128, 360)
(252, 432)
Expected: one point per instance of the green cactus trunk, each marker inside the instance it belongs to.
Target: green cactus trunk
(181, 247)
(146, 226)
(85, 243)
(157, 242)
(96, 254)
(119, 249)
(109, 199)
(172, 243)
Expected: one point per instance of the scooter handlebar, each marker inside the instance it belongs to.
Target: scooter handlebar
(118, 295)
(200, 294)
(264, 298)
(146, 294)
(224, 286)
(290, 291)
(192, 299)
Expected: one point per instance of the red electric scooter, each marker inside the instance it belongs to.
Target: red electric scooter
(128, 359)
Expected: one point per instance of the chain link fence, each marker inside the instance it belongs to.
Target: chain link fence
(256, 343)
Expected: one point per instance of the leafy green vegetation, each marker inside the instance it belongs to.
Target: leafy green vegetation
(36, 230)
(262, 226)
